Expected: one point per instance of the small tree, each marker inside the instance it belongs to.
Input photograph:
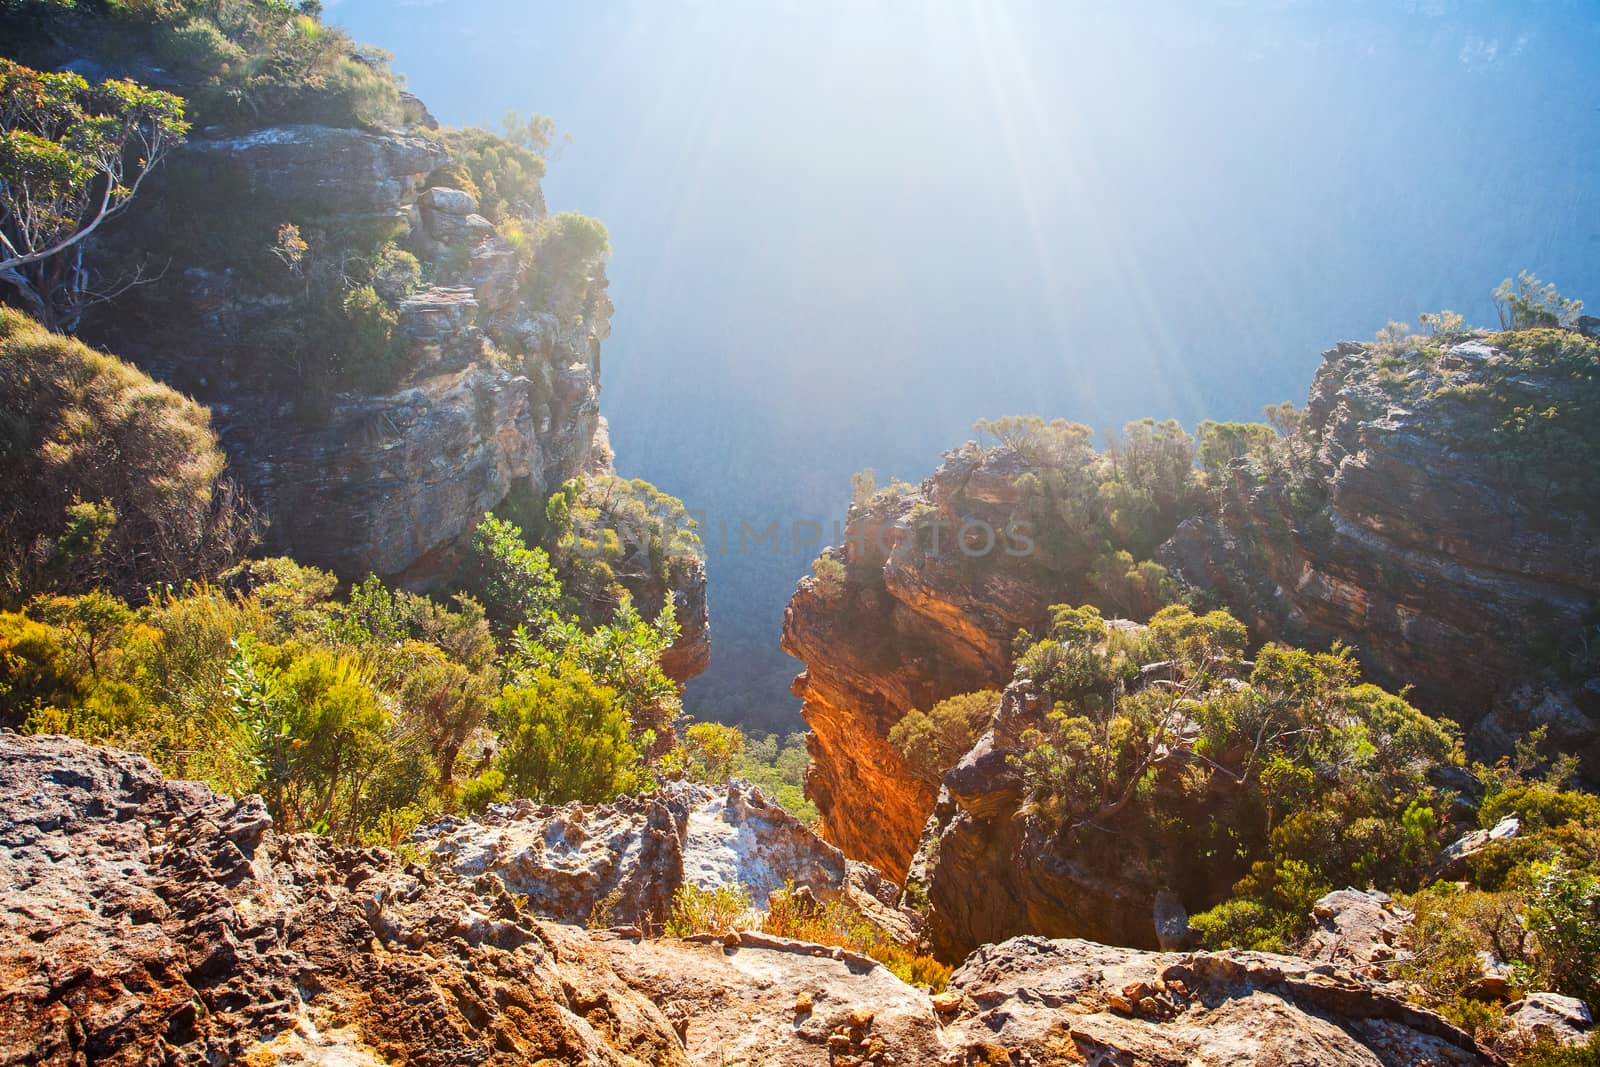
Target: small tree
(517, 583)
(71, 156)
(564, 738)
(1531, 303)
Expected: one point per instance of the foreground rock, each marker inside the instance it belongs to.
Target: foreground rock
(152, 922)
(144, 921)
(1097, 1004)
(756, 1005)
(621, 863)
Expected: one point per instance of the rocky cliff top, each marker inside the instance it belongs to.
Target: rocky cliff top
(1436, 515)
(147, 921)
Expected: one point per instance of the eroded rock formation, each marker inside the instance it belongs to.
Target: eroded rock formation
(1418, 536)
(915, 622)
(1448, 561)
(620, 863)
(144, 921)
(496, 394)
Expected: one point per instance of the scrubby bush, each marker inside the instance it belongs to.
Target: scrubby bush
(361, 339)
(501, 174)
(723, 910)
(397, 274)
(613, 538)
(565, 737)
(113, 480)
(357, 715)
(1531, 304)
(834, 922)
(1284, 777)
(831, 576)
(932, 742)
(516, 583)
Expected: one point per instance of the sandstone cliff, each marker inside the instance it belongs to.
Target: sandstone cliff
(1454, 546)
(914, 622)
(1439, 528)
(495, 391)
(154, 922)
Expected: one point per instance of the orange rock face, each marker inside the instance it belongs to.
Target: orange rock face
(934, 594)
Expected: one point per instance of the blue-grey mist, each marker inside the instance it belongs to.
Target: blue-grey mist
(844, 230)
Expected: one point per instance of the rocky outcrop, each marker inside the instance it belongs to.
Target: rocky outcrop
(321, 170)
(144, 921)
(1448, 561)
(495, 391)
(1361, 930)
(1097, 1004)
(690, 654)
(923, 615)
(987, 869)
(1418, 533)
(621, 863)
(1546, 1017)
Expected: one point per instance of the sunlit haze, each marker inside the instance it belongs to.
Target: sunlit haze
(842, 231)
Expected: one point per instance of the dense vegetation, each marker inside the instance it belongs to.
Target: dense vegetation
(610, 538)
(932, 742)
(247, 62)
(361, 714)
(1290, 777)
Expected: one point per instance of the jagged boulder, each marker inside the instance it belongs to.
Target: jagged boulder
(450, 215)
(1358, 929)
(440, 329)
(1546, 1017)
(624, 861)
(144, 921)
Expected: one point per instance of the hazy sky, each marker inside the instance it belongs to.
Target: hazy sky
(843, 231)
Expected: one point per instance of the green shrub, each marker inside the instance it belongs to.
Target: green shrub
(397, 274)
(564, 737)
(934, 741)
(1530, 304)
(1562, 910)
(199, 47)
(502, 175)
(723, 910)
(831, 576)
(517, 584)
(1282, 778)
(363, 339)
(708, 752)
